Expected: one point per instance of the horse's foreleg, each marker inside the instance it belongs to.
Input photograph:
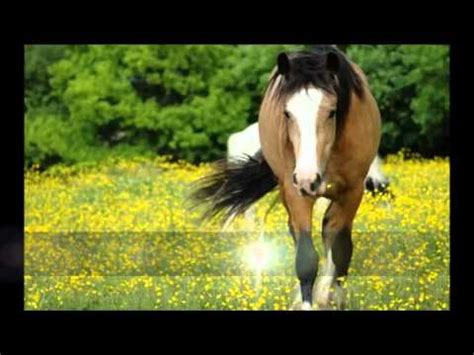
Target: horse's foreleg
(337, 230)
(300, 213)
(290, 226)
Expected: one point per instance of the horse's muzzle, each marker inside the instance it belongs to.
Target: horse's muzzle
(307, 184)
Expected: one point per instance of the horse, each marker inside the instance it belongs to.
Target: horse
(320, 129)
(247, 143)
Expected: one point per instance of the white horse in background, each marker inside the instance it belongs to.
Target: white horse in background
(247, 143)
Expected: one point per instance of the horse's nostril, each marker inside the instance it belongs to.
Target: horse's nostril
(294, 179)
(303, 192)
(315, 183)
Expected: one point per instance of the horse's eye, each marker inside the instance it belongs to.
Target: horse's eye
(287, 114)
(332, 113)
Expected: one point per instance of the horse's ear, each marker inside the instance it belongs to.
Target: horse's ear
(332, 62)
(283, 64)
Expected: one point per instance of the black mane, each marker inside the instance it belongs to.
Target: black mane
(310, 68)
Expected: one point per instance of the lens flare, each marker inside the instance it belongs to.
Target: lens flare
(258, 256)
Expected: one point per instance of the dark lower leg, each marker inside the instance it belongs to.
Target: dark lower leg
(306, 265)
(338, 248)
(342, 251)
(300, 211)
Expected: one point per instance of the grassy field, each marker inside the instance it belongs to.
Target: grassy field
(119, 235)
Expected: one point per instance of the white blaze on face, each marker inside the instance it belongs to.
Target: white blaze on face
(304, 106)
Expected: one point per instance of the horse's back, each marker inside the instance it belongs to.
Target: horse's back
(361, 137)
(245, 142)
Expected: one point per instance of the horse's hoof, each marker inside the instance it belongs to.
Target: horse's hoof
(323, 304)
(324, 308)
(331, 306)
(331, 299)
(301, 306)
(326, 302)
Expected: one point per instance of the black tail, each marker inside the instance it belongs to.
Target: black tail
(234, 186)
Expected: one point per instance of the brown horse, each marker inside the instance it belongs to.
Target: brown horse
(319, 129)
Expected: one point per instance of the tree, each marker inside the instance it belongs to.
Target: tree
(411, 86)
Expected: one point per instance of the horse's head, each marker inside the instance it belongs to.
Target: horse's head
(310, 108)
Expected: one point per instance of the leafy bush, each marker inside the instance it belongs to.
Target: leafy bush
(411, 86)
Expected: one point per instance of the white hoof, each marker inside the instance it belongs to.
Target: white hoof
(301, 306)
(323, 294)
(334, 298)
(340, 296)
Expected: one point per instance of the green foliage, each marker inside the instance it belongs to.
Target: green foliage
(37, 86)
(411, 86)
(90, 101)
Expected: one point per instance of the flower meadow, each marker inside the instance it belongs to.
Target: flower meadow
(123, 235)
